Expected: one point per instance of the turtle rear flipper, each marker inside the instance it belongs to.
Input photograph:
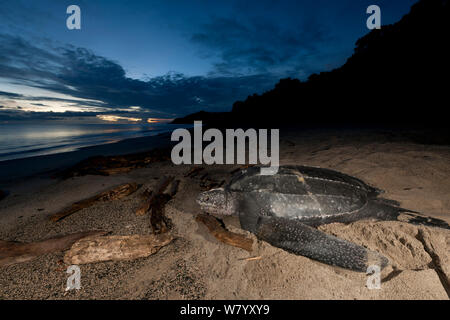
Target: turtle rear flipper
(422, 220)
(382, 209)
(298, 238)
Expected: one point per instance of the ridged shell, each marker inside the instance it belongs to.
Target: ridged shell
(302, 192)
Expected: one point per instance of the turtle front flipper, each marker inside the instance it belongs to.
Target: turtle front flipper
(298, 238)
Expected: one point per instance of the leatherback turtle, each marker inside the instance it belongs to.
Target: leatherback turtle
(284, 209)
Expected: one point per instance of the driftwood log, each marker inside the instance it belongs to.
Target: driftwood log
(223, 235)
(158, 220)
(146, 204)
(112, 194)
(193, 172)
(108, 165)
(12, 252)
(115, 248)
(156, 202)
(173, 188)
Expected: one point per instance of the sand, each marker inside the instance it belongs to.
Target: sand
(197, 266)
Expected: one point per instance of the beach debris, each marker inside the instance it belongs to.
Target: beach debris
(149, 196)
(110, 165)
(115, 193)
(145, 205)
(217, 229)
(12, 252)
(147, 193)
(158, 220)
(193, 172)
(174, 187)
(3, 194)
(251, 258)
(156, 202)
(115, 248)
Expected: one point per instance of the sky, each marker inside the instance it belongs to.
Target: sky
(135, 60)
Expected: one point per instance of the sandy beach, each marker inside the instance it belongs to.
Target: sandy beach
(197, 266)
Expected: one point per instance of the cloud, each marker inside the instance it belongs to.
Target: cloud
(20, 115)
(90, 80)
(254, 46)
(10, 95)
(12, 115)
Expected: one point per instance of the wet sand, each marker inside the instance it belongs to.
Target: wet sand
(16, 171)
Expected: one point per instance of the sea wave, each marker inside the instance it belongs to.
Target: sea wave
(23, 140)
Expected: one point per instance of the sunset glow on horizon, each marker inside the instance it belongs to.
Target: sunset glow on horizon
(113, 118)
(156, 120)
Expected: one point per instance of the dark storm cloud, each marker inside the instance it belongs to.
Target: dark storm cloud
(259, 46)
(80, 73)
(20, 115)
(74, 102)
(10, 95)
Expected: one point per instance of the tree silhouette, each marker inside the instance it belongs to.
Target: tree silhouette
(398, 75)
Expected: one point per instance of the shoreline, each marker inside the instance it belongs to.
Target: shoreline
(17, 170)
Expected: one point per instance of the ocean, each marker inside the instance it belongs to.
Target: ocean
(26, 140)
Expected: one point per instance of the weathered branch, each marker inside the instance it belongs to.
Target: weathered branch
(173, 188)
(116, 248)
(112, 194)
(193, 172)
(223, 235)
(158, 220)
(145, 206)
(16, 252)
(155, 205)
(108, 165)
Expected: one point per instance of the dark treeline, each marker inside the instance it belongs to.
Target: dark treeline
(398, 75)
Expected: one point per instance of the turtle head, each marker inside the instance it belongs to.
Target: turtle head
(216, 201)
